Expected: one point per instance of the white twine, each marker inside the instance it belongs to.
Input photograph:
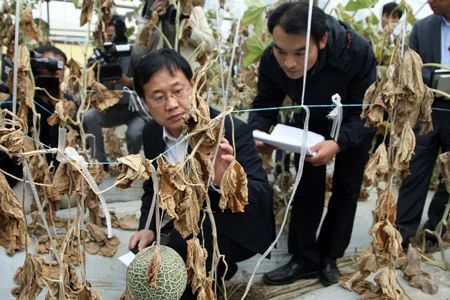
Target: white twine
(336, 115)
(286, 213)
(61, 144)
(135, 103)
(16, 56)
(236, 37)
(81, 162)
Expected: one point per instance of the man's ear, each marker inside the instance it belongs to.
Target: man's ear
(192, 81)
(323, 41)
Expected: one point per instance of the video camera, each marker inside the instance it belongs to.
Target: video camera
(38, 63)
(108, 55)
(171, 12)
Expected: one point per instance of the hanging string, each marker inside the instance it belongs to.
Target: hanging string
(16, 55)
(336, 115)
(81, 162)
(135, 104)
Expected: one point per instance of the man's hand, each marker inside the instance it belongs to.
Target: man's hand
(224, 159)
(263, 147)
(138, 236)
(158, 5)
(124, 80)
(326, 150)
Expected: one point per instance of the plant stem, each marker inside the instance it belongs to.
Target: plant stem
(437, 233)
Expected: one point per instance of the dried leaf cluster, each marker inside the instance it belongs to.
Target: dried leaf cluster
(103, 98)
(405, 99)
(13, 235)
(97, 241)
(196, 268)
(417, 278)
(132, 168)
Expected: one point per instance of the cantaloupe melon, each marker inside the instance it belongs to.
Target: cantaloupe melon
(172, 275)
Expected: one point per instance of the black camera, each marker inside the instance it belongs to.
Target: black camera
(108, 55)
(38, 63)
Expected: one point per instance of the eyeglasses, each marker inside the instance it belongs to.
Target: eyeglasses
(178, 94)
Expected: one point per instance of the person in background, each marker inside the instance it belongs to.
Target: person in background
(119, 114)
(201, 31)
(44, 105)
(430, 38)
(391, 14)
(339, 61)
(163, 79)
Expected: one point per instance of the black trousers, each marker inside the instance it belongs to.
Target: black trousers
(233, 252)
(414, 188)
(308, 206)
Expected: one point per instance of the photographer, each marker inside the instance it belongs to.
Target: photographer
(48, 70)
(119, 114)
(201, 31)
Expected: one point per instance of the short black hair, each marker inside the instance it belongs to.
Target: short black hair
(393, 8)
(293, 18)
(156, 61)
(53, 49)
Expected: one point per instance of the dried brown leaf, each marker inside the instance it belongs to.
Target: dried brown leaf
(234, 188)
(189, 210)
(153, 268)
(86, 11)
(11, 139)
(30, 278)
(387, 280)
(64, 111)
(426, 284)
(367, 262)
(128, 222)
(411, 73)
(98, 243)
(103, 98)
(171, 186)
(74, 75)
(196, 264)
(387, 240)
(202, 54)
(27, 22)
(185, 31)
(444, 159)
(374, 111)
(350, 282)
(13, 235)
(147, 29)
(132, 168)
(426, 122)
(186, 7)
(404, 149)
(412, 264)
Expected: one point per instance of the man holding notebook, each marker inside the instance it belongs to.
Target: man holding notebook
(339, 61)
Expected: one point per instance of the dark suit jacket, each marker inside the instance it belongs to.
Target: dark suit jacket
(425, 39)
(254, 229)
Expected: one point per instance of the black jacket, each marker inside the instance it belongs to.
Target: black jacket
(254, 229)
(345, 66)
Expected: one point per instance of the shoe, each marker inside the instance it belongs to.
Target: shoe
(329, 273)
(289, 273)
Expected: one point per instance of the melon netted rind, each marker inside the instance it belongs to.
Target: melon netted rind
(172, 275)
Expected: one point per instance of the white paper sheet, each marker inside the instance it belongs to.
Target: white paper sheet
(289, 138)
(126, 259)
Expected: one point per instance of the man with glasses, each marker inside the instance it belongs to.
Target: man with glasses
(163, 79)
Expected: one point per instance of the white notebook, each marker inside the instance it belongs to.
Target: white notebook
(289, 138)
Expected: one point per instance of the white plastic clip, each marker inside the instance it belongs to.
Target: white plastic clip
(336, 115)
